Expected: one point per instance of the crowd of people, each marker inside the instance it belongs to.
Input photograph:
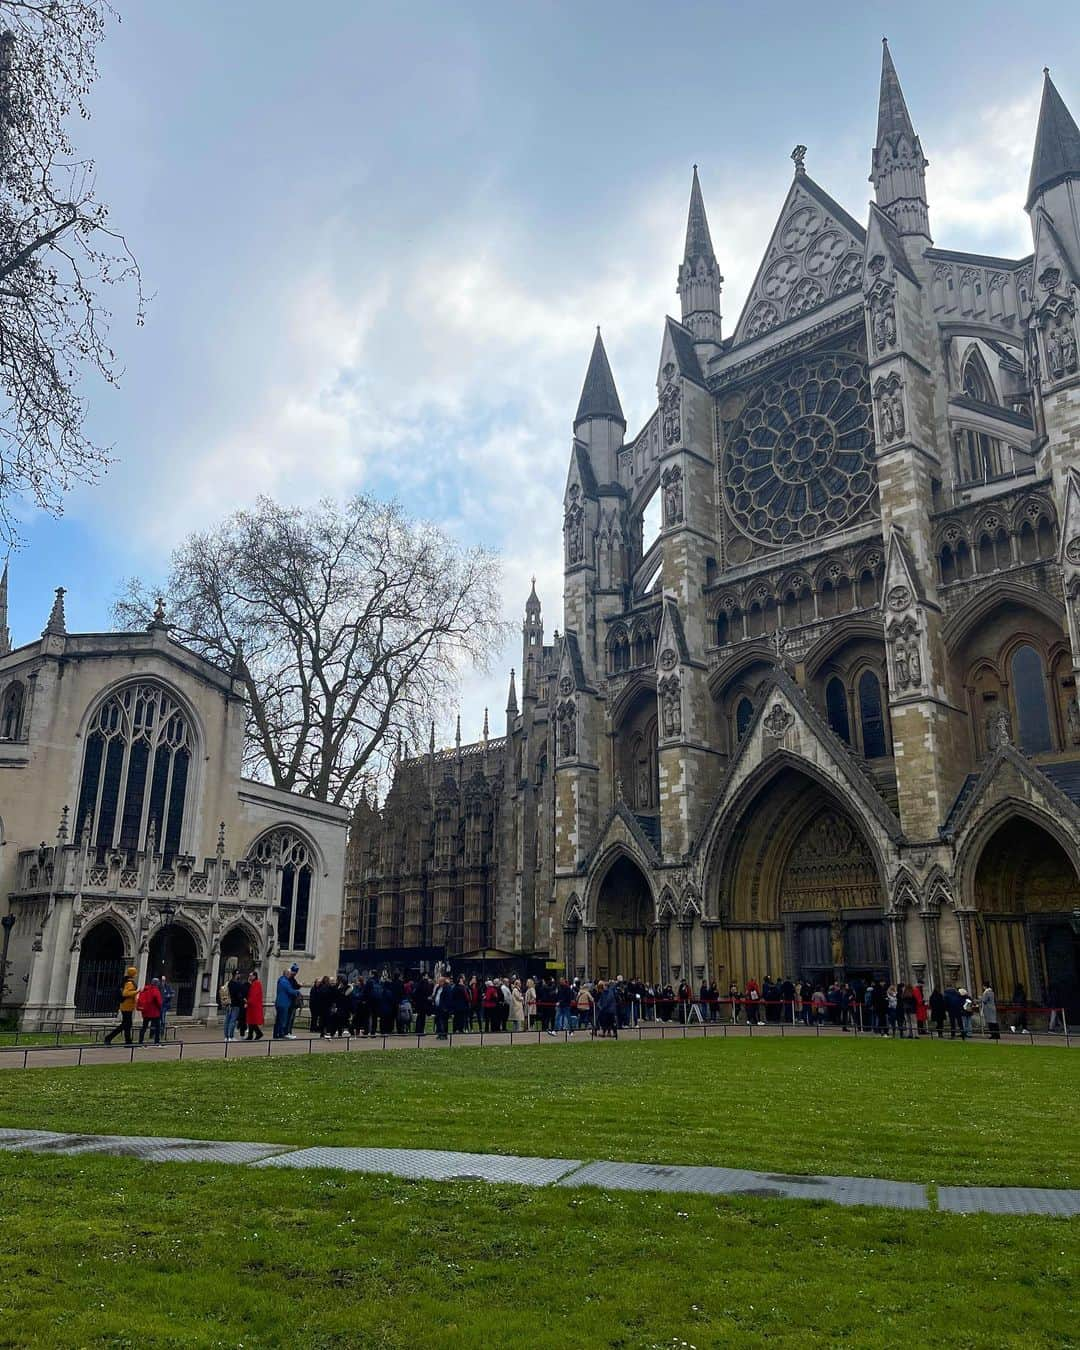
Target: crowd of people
(387, 1003)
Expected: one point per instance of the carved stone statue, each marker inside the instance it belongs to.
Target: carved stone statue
(673, 495)
(900, 661)
(915, 665)
(897, 401)
(1072, 714)
(1068, 348)
(671, 706)
(568, 730)
(888, 431)
(1053, 353)
(838, 941)
(998, 728)
(575, 532)
(670, 402)
(883, 320)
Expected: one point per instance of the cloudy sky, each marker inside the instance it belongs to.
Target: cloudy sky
(379, 237)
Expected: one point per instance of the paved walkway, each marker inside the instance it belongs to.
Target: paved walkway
(436, 1165)
(205, 1043)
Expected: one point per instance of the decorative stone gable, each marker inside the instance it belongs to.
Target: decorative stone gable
(904, 619)
(813, 256)
(1054, 322)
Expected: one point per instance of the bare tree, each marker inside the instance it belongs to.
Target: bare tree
(58, 253)
(348, 623)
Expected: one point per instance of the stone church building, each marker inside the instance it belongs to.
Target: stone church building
(826, 723)
(159, 853)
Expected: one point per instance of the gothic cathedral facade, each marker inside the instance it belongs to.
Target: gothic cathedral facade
(826, 723)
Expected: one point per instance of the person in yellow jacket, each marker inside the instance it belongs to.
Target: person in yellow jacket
(128, 995)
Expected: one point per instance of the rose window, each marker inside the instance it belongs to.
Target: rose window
(798, 463)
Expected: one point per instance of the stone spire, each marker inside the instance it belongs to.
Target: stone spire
(699, 274)
(1057, 144)
(57, 622)
(5, 632)
(511, 697)
(898, 169)
(599, 397)
(485, 725)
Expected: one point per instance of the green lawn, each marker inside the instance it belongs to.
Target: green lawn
(946, 1112)
(110, 1252)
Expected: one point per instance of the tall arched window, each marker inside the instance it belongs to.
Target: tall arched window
(292, 854)
(12, 715)
(1029, 697)
(721, 629)
(135, 770)
(743, 713)
(836, 707)
(983, 452)
(871, 716)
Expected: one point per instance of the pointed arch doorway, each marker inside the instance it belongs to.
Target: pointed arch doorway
(173, 954)
(623, 942)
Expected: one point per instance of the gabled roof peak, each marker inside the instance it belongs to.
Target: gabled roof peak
(1057, 143)
(599, 397)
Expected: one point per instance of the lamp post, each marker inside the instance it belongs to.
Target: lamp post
(7, 923)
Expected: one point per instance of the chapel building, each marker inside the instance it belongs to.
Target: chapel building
(825, 724)
(131, 837)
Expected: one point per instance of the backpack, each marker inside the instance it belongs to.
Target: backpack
(223, 994)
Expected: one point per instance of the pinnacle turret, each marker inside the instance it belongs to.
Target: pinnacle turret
(5, 632)
(1057, 144)
(599, 397)
(699, 274)
(511, 697)
(898, 171)
(57, 622)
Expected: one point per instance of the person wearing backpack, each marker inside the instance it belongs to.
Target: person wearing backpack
(148, 1003)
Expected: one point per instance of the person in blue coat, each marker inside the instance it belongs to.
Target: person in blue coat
(285, 999)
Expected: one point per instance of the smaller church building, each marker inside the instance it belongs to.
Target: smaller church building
(129, 835)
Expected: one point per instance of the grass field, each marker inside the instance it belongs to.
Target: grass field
(948, 1112)
(113, 1252)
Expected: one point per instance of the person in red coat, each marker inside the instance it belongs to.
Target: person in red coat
(255, 1016)
(149, 1004)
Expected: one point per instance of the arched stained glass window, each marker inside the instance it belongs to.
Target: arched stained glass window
(1029, 696)
(291, 853)
(837, 709)
(743, 713)
(135, 770)
(871, 716)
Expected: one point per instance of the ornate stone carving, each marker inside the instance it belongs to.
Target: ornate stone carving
(998, 728)
(574, 528)
(1072, 550)
(889, 396)
(907, 656)
(778, 720)
(899, 597)
(668, 659)
(1072, 716)
(670, 405)
(672, 485)
(566, 686)
(671, 705)
(568, 729)
(883, 317)
(1060, 343)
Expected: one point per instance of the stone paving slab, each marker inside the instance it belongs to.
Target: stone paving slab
(441, 1165)
(1009, 1200)
(619, 1176)
(145, 1148)
(420, 1164)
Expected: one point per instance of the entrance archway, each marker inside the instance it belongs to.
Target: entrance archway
(1026, 891)
(102, 962)
(238, 953)
(800, 892)
(173, 954)
(624, 916)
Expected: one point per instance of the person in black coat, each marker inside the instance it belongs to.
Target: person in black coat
(937, 1012)
(421, 997)
(459, 1004)
(879, 1002)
